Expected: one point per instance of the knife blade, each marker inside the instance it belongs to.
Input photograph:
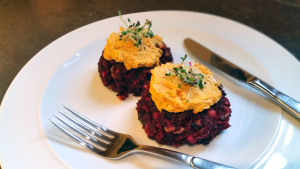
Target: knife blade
(287, 103)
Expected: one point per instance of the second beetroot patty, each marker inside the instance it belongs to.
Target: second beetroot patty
(185, 127)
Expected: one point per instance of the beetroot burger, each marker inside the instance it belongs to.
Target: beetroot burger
(128, 57)
(184, 104)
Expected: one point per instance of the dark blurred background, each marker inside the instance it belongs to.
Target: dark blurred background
(27, 26)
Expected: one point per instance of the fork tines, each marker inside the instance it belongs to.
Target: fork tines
(90, 131)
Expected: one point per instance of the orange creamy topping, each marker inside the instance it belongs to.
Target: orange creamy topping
(168, 96)
(146, 55)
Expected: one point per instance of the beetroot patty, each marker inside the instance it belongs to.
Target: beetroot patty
(115, 76)
(184, 127)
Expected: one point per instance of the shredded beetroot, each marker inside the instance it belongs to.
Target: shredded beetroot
(116, 77)
(185, 127)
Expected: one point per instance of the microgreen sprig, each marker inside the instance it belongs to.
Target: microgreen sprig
(187, 74)
(183, 58)
(135, 31)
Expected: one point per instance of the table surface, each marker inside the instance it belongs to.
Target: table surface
(26, 27)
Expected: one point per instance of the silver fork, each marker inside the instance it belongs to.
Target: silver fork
(116, 145)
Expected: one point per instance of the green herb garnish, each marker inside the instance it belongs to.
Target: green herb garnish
(135, 31)
(183, 58)
(187, 74)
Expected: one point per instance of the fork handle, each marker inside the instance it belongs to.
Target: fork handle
(189, 160)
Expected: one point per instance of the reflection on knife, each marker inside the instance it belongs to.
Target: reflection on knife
(289, 104)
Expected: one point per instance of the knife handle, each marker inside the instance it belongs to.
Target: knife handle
(289, 104)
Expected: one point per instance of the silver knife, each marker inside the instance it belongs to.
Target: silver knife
(289, 104)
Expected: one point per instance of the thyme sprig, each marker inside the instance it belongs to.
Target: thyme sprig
(135, 31)
(187, 74)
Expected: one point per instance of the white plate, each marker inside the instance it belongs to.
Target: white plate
(65, 72)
